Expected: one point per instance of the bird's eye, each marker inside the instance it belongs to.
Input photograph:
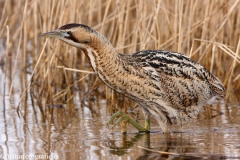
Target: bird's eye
(66, 34)
(69, 32)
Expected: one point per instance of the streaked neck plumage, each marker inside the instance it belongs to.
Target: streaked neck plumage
(101, 53)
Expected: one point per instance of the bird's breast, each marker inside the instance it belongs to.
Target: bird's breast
(128, 82)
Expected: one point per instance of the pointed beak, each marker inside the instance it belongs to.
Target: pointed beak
(53, 34)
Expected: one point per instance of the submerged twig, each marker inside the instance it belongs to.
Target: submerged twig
(161, 152)
(201, 155)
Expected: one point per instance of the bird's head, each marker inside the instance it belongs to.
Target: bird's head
(77, 35)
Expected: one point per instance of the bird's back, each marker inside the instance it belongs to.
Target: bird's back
(184, 81)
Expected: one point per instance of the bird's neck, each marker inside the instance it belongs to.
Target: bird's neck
(102, 57)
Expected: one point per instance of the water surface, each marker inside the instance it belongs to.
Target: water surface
(80, 133)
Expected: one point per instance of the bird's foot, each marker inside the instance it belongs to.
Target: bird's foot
(124, 118)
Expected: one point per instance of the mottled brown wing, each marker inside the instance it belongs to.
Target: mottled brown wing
(184, 81)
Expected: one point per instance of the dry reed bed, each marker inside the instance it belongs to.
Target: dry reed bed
(208, 31)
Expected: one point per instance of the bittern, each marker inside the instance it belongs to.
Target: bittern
(167, 85)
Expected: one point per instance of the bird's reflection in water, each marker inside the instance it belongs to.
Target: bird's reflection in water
(116, 148)
(160, 146)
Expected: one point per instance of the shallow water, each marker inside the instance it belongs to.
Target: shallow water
(80, 133)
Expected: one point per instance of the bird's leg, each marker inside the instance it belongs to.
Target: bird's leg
(124, 123)
(126, 119)
(147, 121)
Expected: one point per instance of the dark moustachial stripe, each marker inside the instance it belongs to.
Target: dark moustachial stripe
(71, 37)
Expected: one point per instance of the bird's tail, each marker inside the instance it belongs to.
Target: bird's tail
(185, 115)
